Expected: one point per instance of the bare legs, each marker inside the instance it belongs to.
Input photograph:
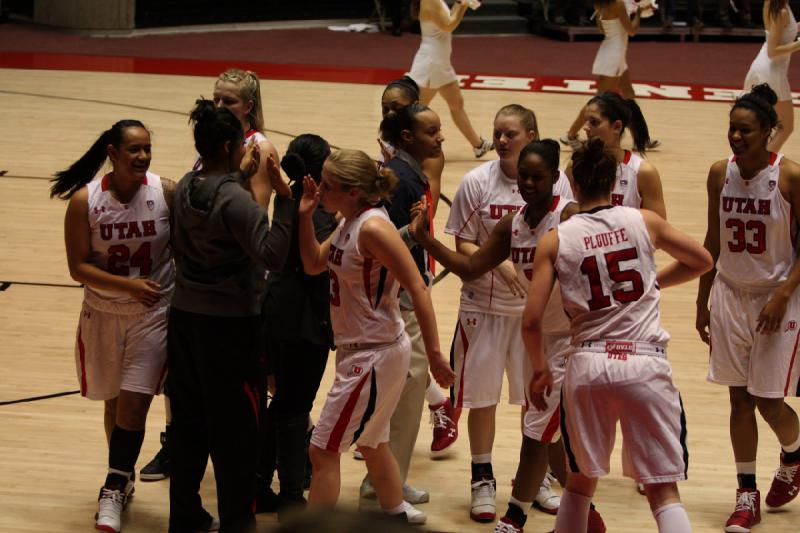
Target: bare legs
(620, 84)
(452, 95)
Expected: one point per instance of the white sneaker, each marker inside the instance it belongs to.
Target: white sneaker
(572, 142)
(483, 507)
(546, 500)
(653, 144)
(415, 496)
(484, 148)
(213, 526)
(109, 510)
(414, 515)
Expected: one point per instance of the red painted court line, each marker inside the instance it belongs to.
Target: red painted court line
(377, 76)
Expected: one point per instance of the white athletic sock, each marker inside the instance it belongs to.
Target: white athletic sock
(793, 447)
(396, 510)
(433, 394)
(524, 506)
(672, 518)
(482, 458)
(573, 513)
(746, 468)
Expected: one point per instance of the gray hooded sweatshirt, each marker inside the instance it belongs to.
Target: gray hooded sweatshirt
(223, 244)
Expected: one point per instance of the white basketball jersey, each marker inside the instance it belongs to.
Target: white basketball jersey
(256, 135)
(364, 303)
(626, 188)
(523, 248)
(755, 227)
(608, 277)
(485, 196)
(562, 187)
(130, 240)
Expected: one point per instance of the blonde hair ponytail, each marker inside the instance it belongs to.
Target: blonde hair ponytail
(354, 168)
(249, 88)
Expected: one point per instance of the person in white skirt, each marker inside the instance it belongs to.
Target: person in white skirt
(431, 69)
(610, 65)
(771, 65)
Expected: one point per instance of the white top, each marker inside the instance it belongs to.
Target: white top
(613, 30)
(788, 34)
(755, 227)
(130, 240)
(435, 40)
(485, 196)
(608, 277)
(626, 187)
(562, 187)
(364, 303)
(523, 248)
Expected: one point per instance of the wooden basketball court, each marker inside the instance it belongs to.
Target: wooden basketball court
(53, 451)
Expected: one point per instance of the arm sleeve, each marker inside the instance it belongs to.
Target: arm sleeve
(250, 227)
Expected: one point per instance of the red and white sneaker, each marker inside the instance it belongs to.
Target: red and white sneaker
(444, 418)
(483, 507)
(506, 525)
(595, 523)
(747, 512)
(785, 484)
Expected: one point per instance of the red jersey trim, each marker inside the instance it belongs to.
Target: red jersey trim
(627, 157)
(104, 183)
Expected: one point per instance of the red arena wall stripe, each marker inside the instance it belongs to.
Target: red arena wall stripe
(377, 76)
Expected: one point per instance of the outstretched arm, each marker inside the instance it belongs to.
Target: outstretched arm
(445, 20)
(379, 239)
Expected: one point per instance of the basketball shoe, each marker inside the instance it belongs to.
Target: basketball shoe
(506, 525)
(546, 500)
(484, 492)
(785, 484)
(482, 149)
(747, 512)
(444, 418)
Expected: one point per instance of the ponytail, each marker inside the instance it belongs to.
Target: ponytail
(614, 107)
(68, 182)
(249, 87)
(213, 127)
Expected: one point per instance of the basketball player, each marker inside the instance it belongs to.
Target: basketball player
(617, 369)
(240, 92)
(117, 237)
(223, 242)
(638, 184)
(367, 263)
(771, 65)
(515, 236)
(487, 341)
(753, 201)
(431, 69)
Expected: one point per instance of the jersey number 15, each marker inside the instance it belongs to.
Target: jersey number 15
(591, 269)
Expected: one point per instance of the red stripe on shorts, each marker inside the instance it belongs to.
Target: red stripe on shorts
(465, 348)
(791, 365)
(552, 427)
(335, 440)
(249, 391)
(82, 353)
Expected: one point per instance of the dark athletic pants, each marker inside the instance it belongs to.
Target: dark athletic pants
(214, 382)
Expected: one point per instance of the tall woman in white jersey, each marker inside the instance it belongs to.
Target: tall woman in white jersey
(432, 70)
(367, 262)
(117, 236)
(610, 65)
(752, 327)
(516, 236)
(771, 65)
(637, 183)
(617, 370)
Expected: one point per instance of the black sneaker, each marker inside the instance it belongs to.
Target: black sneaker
(159, 467)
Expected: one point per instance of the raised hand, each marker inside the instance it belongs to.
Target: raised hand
(280, 186)
(251, 159)
(310, 198)
(418, 227)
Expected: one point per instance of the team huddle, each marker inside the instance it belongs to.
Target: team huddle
(185, 285)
